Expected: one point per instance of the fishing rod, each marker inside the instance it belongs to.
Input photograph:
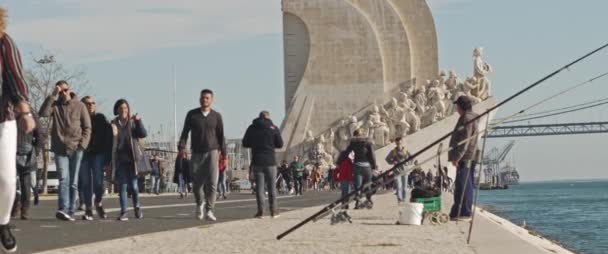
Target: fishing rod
(352, 193)
(483, 150)
(558, 113)
(440, 151)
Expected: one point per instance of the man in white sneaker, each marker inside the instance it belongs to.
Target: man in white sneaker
(207, 142)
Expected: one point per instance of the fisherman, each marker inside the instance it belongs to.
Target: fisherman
(463, 144)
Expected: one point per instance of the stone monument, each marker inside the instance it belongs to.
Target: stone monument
(341, 56)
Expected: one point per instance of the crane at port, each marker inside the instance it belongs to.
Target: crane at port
(492, 161)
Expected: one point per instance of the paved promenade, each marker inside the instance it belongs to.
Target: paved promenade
(373, 231)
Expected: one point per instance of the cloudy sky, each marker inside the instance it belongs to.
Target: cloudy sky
(129, 49)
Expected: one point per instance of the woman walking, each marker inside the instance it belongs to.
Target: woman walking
(127, 156)
(365, 162)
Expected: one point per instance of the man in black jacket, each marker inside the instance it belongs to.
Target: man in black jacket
(96, 157)
(263, 137)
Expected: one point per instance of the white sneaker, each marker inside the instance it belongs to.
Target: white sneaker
(199, 212)
(209, 216)
(291, 192)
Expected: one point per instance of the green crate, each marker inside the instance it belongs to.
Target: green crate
(430, 204)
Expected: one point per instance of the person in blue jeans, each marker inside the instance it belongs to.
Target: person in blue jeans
(127, 156)
(94, 160)
(157, 172)
(70, 136)
(364, 163)
(399, 154)
(463, 144)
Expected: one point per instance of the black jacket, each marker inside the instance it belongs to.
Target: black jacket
(182, 166)
(364, 151)
(263, 137)
(207, 132)
(101, 136)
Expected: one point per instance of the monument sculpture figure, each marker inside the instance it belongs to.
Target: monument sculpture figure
(353, 125)
(379, 131)
(420, 101)
(480, 70)
(412, 120)
(343, 134)
(405, 101)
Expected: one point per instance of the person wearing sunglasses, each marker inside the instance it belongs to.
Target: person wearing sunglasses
(70, 136)
(96, 157)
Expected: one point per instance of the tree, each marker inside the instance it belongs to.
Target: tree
(41, 76)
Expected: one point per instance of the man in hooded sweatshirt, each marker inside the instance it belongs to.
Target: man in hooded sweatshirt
(263, 137)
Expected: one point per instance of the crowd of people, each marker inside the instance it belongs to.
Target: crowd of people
(88, 147)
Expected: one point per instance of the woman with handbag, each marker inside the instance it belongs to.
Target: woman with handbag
(128, 158)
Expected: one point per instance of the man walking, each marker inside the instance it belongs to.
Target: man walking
(399, 154)
(463, 144)
(70, 135)
(287, 176)
(157, 172)
(14, 113)
(297, 169)
(207, 142)
(262, 136)
(96, 157)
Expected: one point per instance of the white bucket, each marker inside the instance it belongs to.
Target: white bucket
(411, 214)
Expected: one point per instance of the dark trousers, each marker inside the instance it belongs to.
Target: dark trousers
(363, 180)
(287, 183)
(463, 185)
(299, 182)
(25, 182)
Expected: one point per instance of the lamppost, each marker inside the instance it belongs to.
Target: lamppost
(47, 59)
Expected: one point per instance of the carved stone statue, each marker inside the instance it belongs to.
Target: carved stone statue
(330, 147)
(420, 101)
(353, 125)
(343, 134)
(412, 119)
(436, 102)
(435, 91)
(405, 101)
(442, 78)
(401, 126)
(378, 130)
(470, 85)
(481, 69)
(309, 141)
(451, 84)
(318, 155)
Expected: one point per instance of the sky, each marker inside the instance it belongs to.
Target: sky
(130, 49)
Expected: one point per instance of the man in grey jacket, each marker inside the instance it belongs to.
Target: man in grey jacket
(463, 146)
(70, 135)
